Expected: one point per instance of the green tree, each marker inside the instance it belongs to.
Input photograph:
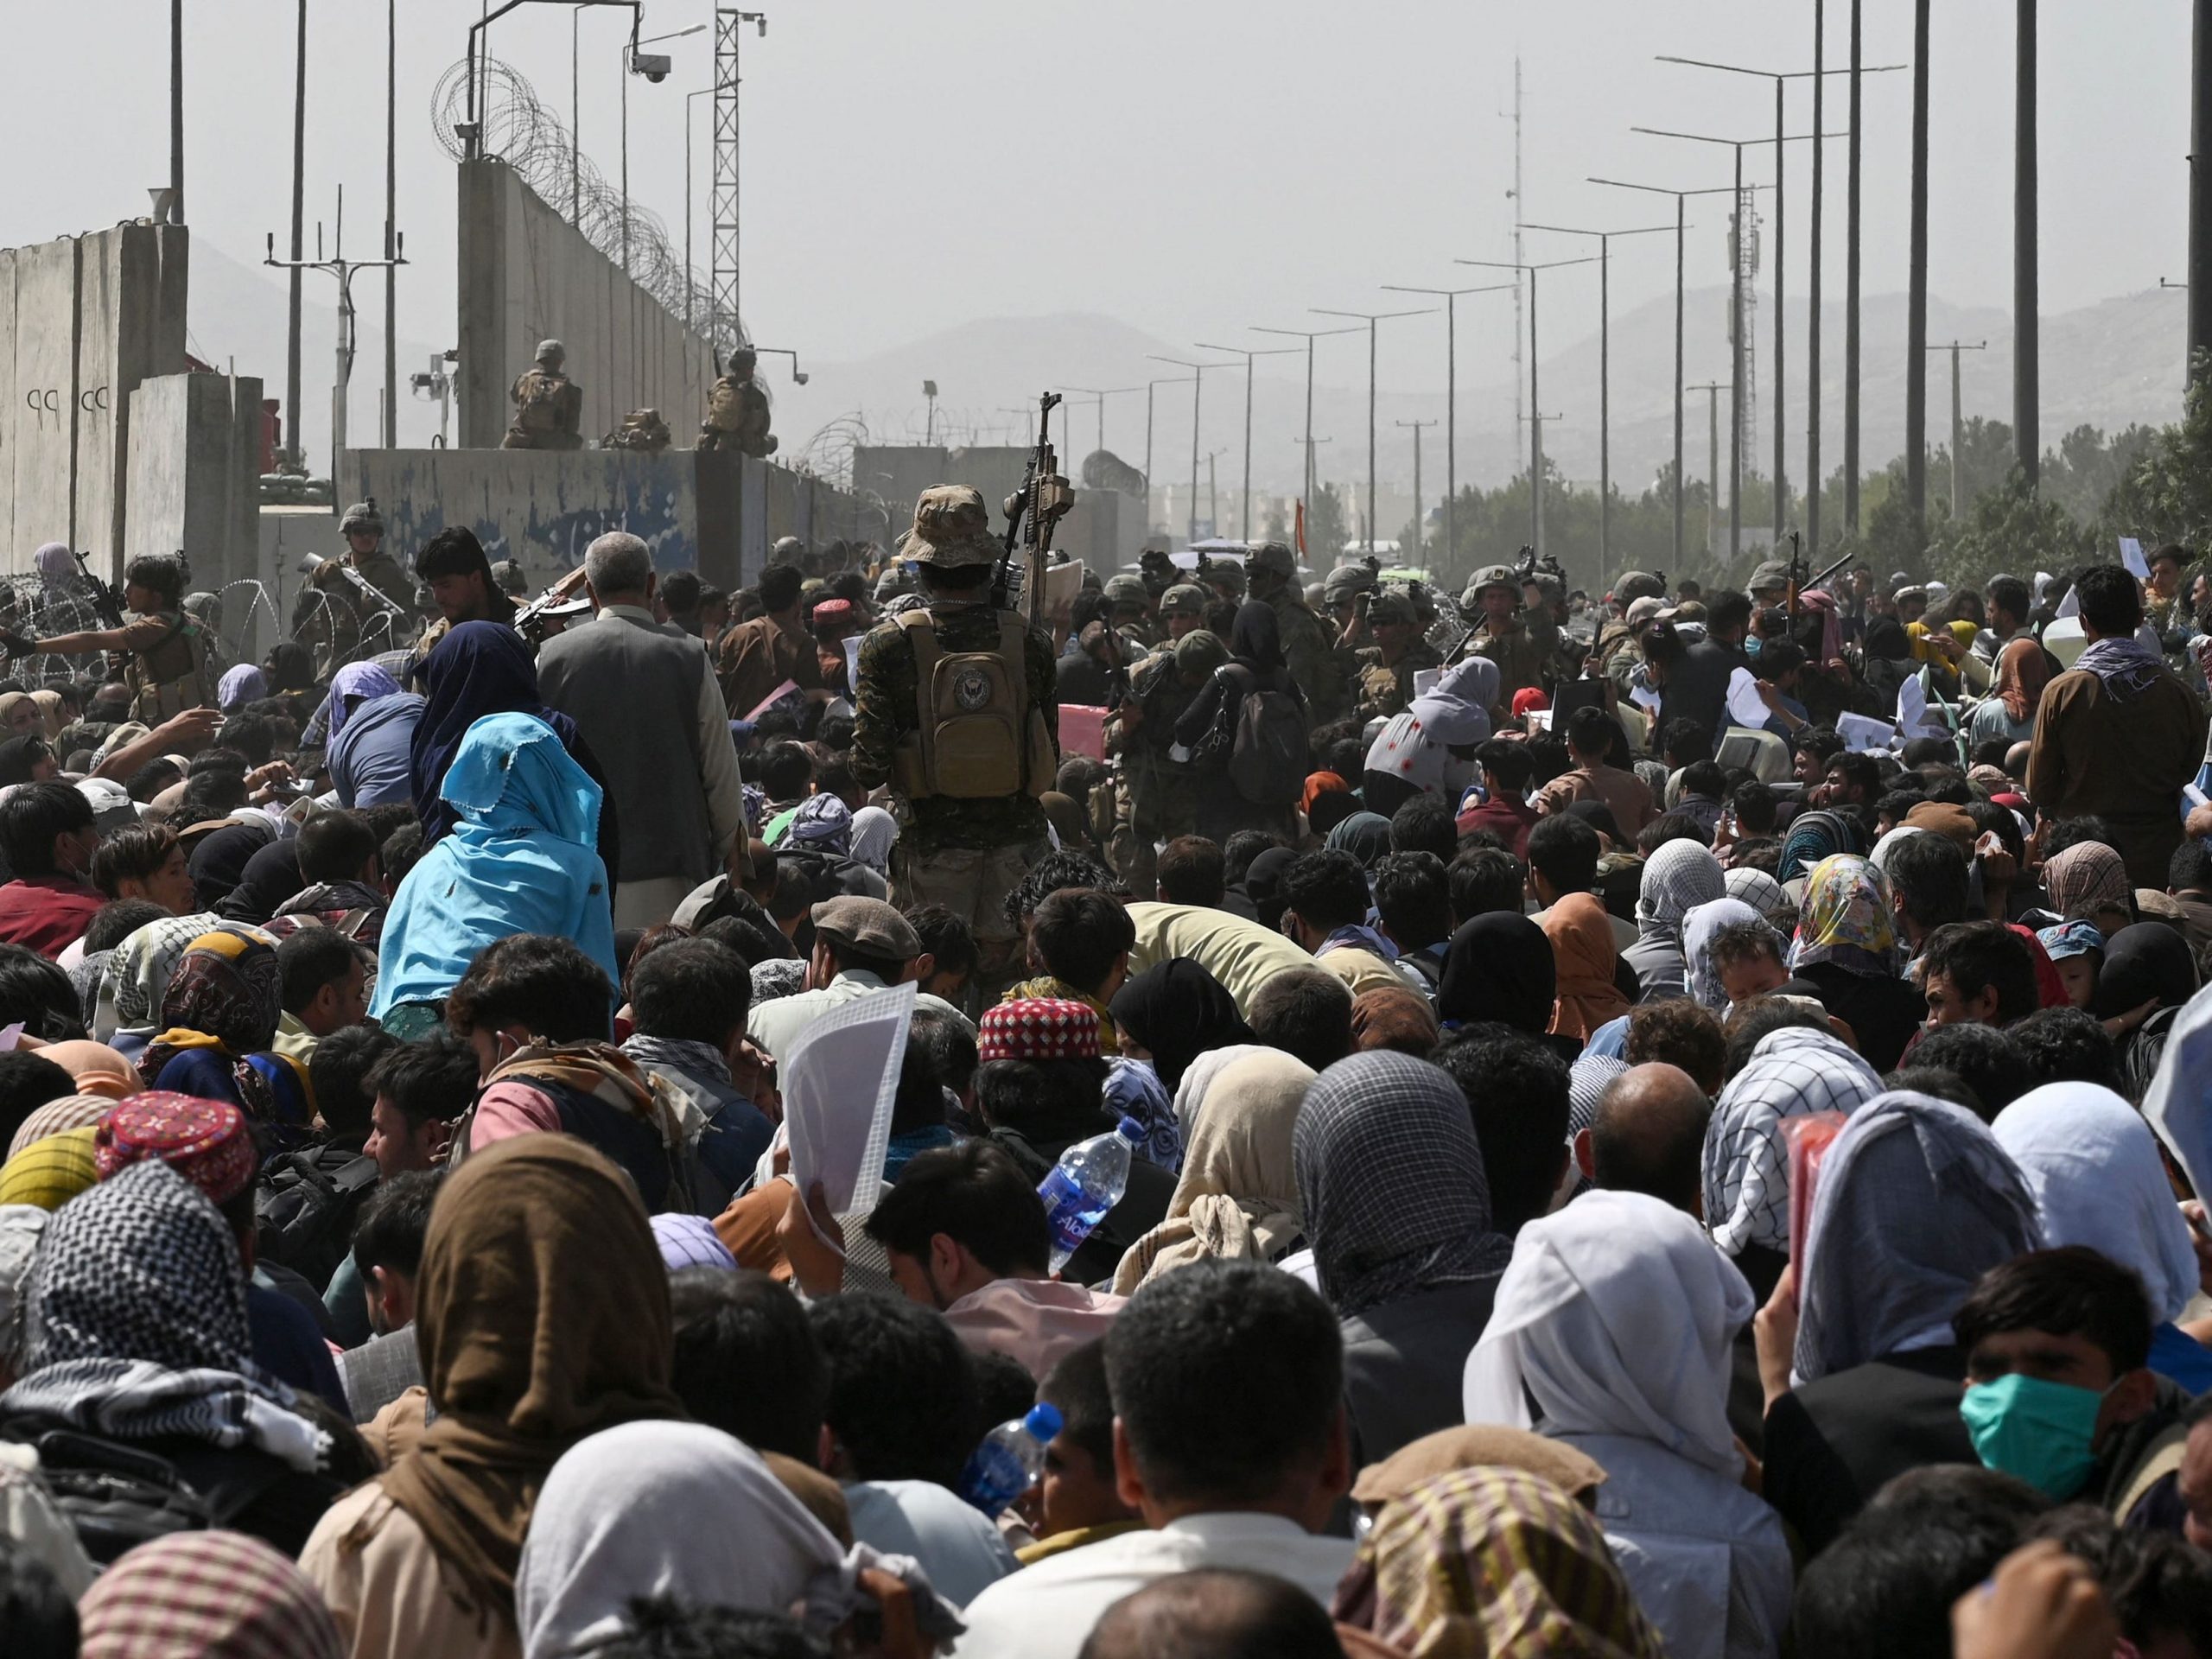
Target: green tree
(2166, 494)
(1326, 528)
(2011, 528)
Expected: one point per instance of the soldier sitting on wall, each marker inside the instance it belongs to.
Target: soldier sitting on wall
(549, 406)
(642, 429)
(737, 411)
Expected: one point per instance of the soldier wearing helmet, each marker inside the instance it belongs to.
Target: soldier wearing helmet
(549, 406)
(1182, 609)
(1128, 604)
(1309, 646)
(1340, 592)
(332, 617)
(956, 708)
(1503, 635)
(737, 410)
(1387, 667)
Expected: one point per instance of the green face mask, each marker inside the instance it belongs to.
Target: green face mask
(2042, 1433)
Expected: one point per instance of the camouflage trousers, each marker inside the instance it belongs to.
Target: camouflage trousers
(972, 882)
(1144, 816)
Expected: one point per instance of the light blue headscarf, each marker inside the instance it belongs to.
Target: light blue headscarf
(521, 859)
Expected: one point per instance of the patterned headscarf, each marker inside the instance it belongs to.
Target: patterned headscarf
(50, 1172)
(59, 1117)
(1678, 876)
(21, 1227)
(240, 686)
(1792, 1072)
(1038, 1028)
(691, 1241)
(1699, 928)
(823, 822)
(1814, 837)
(209, 1595)
(1390, 1180)
(1493, 1563)
(1846, 919)
(1756, 888)
(204, 1141)
(138, 974)
(2087, 880)
(227, 986)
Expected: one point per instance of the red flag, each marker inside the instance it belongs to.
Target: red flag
(1301, 530)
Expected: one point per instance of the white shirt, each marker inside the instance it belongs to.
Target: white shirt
(775, 1026)
(1047, 1610)
(962, 1553)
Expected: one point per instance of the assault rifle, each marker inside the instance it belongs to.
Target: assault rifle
(105, 602)
(529, 619)
(1031, 512)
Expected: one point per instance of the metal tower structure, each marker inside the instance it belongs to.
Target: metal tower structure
(725, 327)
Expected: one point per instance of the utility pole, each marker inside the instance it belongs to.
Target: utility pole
(343, 269)
(1197, 390)
(1958, 427)
(1712, 390)
(1419, 543)
(176, 112)
(1535, 405)
(1520, 205)
(390, 224)
(2200, 186)
(299, 246)
(1851, 298)
(2027, 371)
(1451, 298)
(1372, 318)
(1604, 370)
(1915, 324)
(1309, 335)
(1813, 294)
(1248, 355)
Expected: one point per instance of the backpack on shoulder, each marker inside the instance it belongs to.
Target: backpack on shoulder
(981, 737)
(305, 1205)
(1266, 740)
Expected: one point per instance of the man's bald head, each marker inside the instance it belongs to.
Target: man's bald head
(1648, 1134)
(1214, 1613)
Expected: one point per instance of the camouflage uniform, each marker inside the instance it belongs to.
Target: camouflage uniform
(642, 429)
(1521, 649)
(1135, 627)
(1385, 688)
(966, 854)
(1155, 796)
(1309, 645)
(333, 618)
(549, 406)
(737, 411)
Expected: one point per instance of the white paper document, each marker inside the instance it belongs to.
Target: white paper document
(2131, 554)
(1863, 735)
(1746, 706)
(838, 1082)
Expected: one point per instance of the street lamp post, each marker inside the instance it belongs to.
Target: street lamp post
(1197, 390)
(1418, 543)
(343, 269)
(1372, 318)
(1171, 380)
(1680, 227)
(1309, 335)
(1712, 390)
(1092, 394)
(1535, 407)
(1451, 298)
(1604, 370)
(1248, 355)
(1958, 425)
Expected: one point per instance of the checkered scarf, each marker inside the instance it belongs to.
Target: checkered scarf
(1792, 1072)
(1390, 1179)
(137, 1325)
(222, 1594)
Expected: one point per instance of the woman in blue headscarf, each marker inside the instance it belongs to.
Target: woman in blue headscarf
(519, 860)
(480, 668)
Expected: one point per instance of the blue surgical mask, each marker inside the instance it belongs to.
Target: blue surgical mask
(2039, 1431)
(1751, 643)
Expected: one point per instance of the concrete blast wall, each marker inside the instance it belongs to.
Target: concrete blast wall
(526, 274)
(1105, 529)
(195, 451)
(83, 320)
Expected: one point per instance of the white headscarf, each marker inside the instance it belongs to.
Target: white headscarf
(653, 1509)
(1617, 1317)
(2093, 1165)
(1199, 1076)
(874, 833)
(1879, 858)
(1679, 876)
(1792, 1072)
(1700, 924)
(1756, 888)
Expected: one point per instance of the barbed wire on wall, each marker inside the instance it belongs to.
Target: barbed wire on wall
(522, 131)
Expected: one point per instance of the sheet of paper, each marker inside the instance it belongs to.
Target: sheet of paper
(1425, 680)
(1912, 706)
(2131, 554)
(838, 1082)
(2070, 606)
(1062, 583)
(787, 688)
(852, 660)
(1645, 697)
(1863, 735)
(1537, 720)
(1746, 706)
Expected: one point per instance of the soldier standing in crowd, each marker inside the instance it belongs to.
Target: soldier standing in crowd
(1387, 666)
(549, 406)
(168, 650)
(956, 709)
(331, 615)
(1182, 609)
(737, 411)
(1340, 592)
(1126, 596)
(1308, 646)
(1156, 795)
(1520, 648)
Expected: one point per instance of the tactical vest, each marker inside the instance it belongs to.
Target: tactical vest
(979, 736)
(172, 675)
(539, 408)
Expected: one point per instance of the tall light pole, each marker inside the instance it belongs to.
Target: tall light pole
(299, 243)
(1536, 407)
(1451, 298)
(1370, 318)
(2027, 358)
(1958, 424)
(2199, 275)
(1172, 380)
(1309, 335)
(1605, 371)
(1418, 543)
(1092, 394)
(340, 266)
(1248, 355)
(1713, 389)
(390, 422)
(1197, 390)
(1916, 316)
(1680, 228)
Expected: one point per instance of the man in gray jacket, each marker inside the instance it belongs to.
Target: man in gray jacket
(647, 702)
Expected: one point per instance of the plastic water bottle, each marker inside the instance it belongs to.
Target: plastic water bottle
(1087, 1182)
(1009, 1460)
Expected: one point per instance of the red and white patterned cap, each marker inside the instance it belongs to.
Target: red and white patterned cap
(1038, 1028)
(206, 1141)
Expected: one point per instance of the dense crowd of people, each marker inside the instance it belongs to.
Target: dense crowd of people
(1666, 1125)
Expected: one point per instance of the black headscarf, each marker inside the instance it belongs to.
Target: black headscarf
(1178, 1010)
(272, 876)
(479, 669)
(1886, 637)
(1498, 966)
(1255, 639)
(290, 666)
(217, 863)
(18, 755)
(1263, 879)
(2145, 960)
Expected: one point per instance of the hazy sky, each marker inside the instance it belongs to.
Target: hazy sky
(1189, 168)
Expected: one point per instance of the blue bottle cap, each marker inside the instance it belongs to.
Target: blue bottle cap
(1043, 1422)
(1130, 1131)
